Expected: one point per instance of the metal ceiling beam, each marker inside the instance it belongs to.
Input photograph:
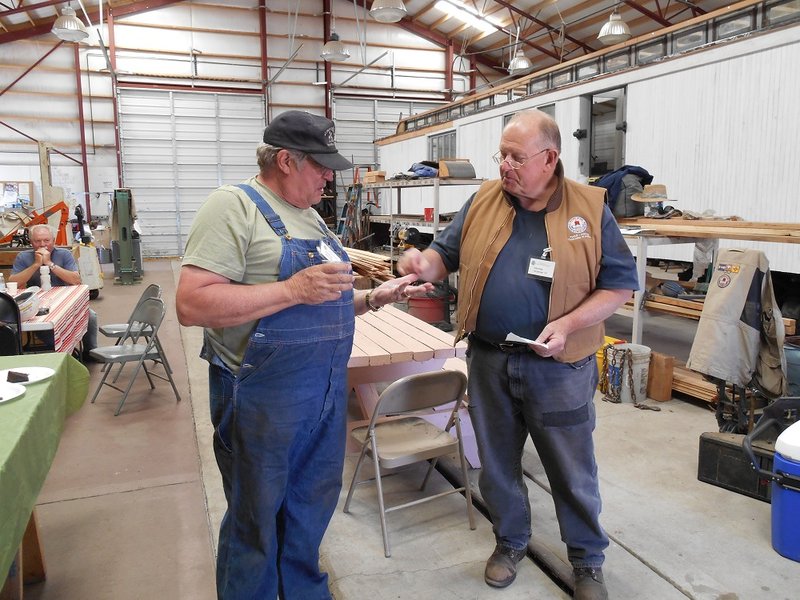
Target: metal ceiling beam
(544, 24)
(29, 7)
(140, 7)
(45, 26)
(648, 13)
(440, 40)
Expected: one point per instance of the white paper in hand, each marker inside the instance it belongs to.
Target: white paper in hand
(513, 337)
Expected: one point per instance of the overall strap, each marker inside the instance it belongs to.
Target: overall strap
(273, 220)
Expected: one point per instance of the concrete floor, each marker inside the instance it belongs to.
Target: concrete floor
(132, 505)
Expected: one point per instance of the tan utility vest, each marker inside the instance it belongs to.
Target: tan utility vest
(573, 222)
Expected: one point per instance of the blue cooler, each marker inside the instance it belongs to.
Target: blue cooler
(786, 494)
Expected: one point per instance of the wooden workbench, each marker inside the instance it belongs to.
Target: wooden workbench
(655, 232)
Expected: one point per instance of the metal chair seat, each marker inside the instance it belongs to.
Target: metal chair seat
(409, 438)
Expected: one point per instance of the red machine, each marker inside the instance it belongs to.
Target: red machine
(36, 218)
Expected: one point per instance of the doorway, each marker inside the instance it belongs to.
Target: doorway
(607, 132)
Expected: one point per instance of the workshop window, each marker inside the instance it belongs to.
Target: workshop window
(442, 146)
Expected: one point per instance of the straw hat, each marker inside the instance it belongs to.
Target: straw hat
(652, 193)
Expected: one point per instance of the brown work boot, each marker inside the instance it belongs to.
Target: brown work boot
(501, 568)
(589, 584)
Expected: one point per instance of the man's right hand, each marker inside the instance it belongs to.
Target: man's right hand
(414, 261)
(321, 283)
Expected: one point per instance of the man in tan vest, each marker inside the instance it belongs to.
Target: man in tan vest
(539, 256)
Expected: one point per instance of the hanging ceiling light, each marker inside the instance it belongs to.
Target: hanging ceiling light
(614, 31)
(388, 11)
(334, 49)
(69, 27)
(520, 64)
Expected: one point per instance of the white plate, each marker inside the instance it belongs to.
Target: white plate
(34, 374)
(9, 391)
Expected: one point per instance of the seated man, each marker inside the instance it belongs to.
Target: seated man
(63, 271)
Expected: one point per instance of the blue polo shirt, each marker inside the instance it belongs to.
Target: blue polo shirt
(512, 300)
(60, 256)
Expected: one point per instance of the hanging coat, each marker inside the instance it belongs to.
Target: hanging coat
(740, 335)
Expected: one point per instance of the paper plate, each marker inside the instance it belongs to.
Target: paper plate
(34, 374)
(9, 391)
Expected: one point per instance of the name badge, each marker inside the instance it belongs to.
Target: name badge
(541, 268)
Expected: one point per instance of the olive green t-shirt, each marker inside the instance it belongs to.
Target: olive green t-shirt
(230, 237)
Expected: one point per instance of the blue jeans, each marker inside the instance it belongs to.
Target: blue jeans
(513, 395)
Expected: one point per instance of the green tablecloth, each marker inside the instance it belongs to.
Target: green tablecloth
(30, 429)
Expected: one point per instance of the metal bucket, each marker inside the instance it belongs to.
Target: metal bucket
(104, 255)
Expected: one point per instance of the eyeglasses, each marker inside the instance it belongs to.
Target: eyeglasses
(514, 164)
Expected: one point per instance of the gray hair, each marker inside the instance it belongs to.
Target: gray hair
(545, 126)
(38, 226)
(267, 156)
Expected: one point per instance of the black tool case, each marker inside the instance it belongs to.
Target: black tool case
(722, 461)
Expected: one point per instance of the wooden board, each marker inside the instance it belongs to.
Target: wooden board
(787, 233)
(692, 384)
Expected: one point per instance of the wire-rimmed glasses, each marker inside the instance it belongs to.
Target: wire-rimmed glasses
(514, 164)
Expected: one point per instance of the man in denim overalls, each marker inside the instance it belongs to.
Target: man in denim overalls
(273, 289)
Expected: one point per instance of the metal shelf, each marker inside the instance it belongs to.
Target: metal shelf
(399, 184)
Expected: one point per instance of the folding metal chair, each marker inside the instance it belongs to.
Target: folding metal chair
(117, 330)
(135, 347)
(409, 438)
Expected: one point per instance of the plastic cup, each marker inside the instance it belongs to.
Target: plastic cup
(11, 287)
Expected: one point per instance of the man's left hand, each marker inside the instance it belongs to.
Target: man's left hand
(553, 338)
(399, 290)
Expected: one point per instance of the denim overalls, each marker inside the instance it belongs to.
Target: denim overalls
(280, 429)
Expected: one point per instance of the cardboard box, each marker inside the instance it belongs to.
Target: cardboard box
(659, 376)
(374, 176)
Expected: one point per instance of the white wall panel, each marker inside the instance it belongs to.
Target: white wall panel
(720, 128)
(359, 122)
(723, 137)
(177, 147)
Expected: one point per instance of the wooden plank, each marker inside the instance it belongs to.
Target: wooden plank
(692, 384)
(374, 353)
(393, 347)
(420, 344)
(789, 233)
(644, 221)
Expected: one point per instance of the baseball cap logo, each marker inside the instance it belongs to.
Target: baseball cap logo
(330, 136)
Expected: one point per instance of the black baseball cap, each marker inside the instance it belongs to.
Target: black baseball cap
(312, 134)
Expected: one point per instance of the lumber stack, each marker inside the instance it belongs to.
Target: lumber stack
(369, 264)
(692, 384)
(690, 309)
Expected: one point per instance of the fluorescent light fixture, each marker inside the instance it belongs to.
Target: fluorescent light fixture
(69, 27)
(334, 49)
(614, 31)
(388, 11)
(468, 15)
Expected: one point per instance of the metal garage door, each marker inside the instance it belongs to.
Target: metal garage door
(179, 146)
(361, 121)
